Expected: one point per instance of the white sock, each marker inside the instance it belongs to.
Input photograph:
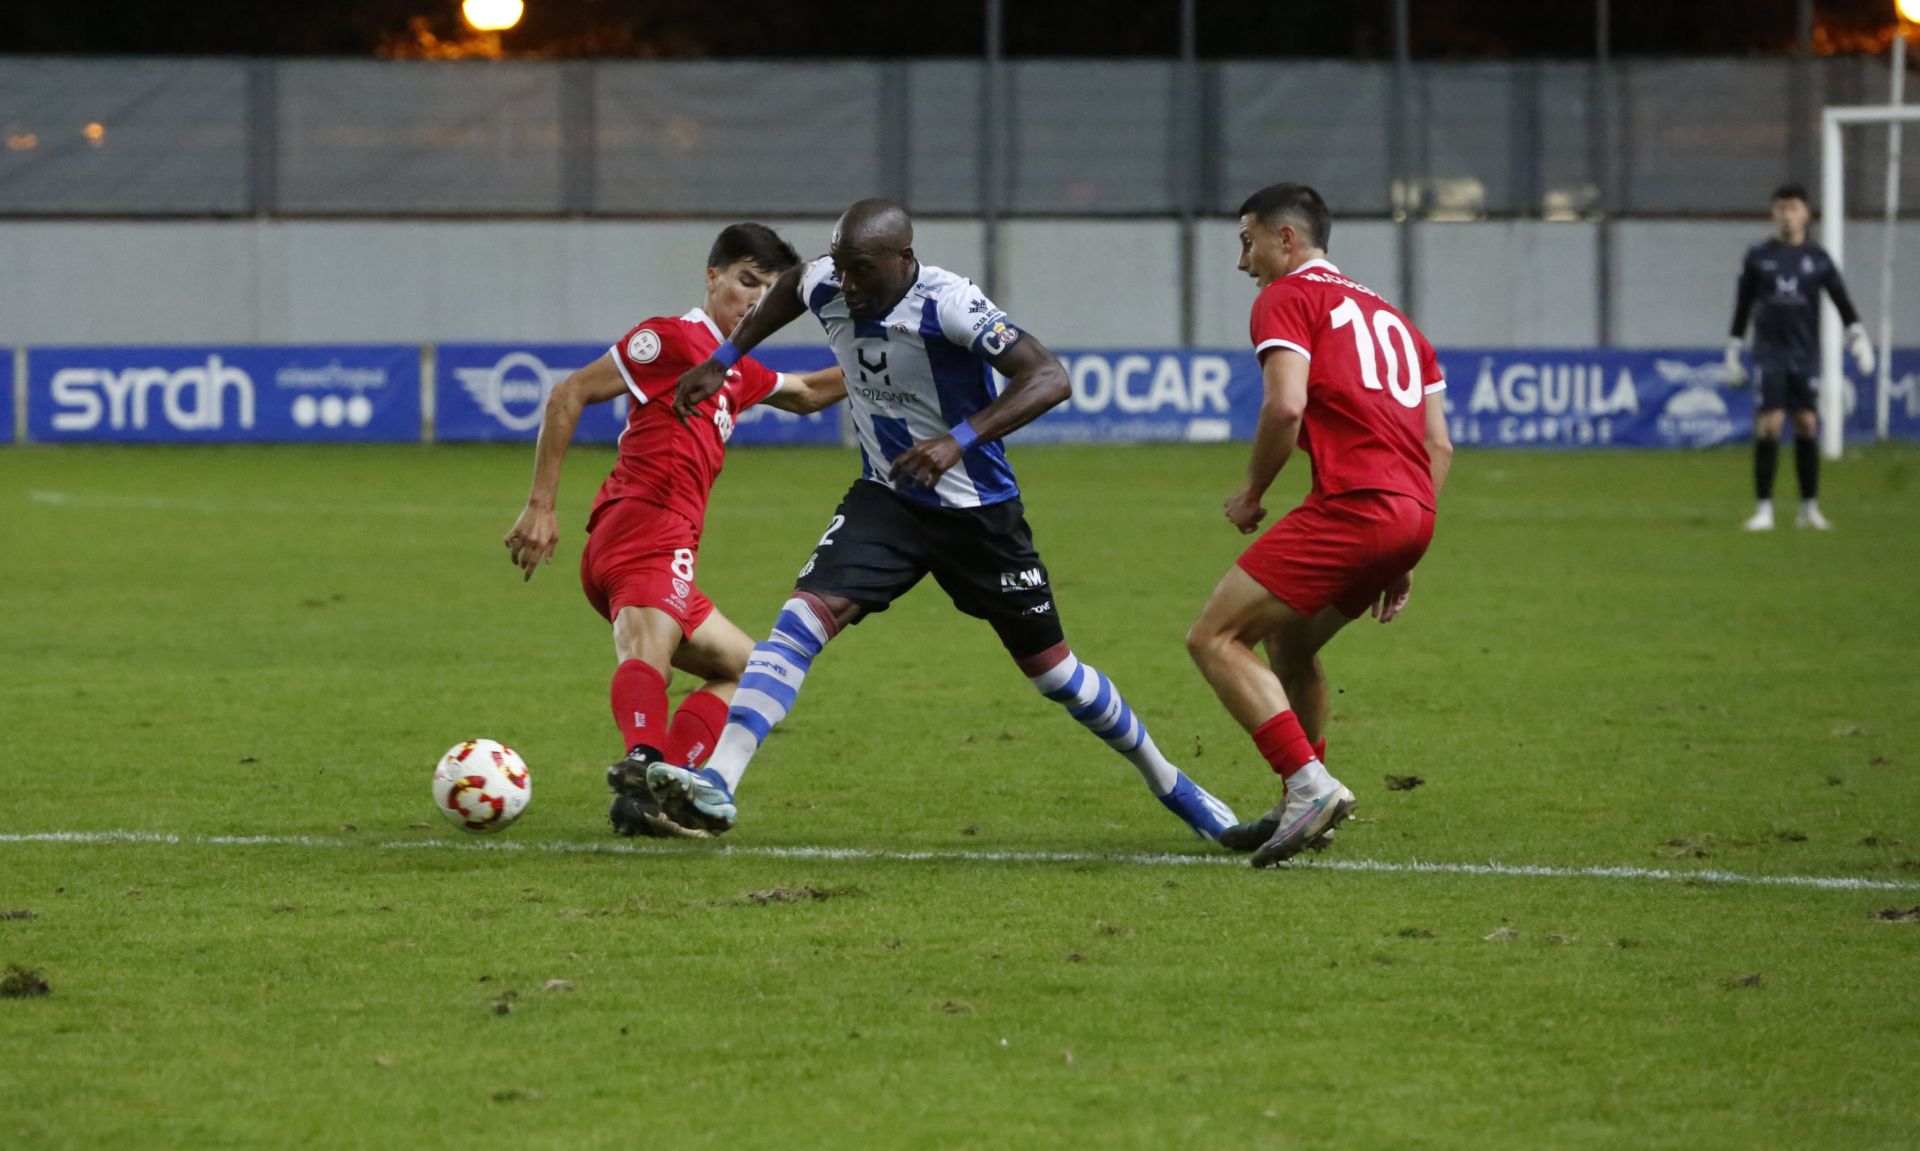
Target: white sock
(731, 754)
(1091, 698)
(1311, 781)
(775, 671)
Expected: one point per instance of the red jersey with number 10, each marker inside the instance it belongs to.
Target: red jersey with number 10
(663, 461)
(1369, 373)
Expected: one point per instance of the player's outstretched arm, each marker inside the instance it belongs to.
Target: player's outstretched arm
(1283, 378)
(810, 392)
(779, 306)
(1036, 382)
(533, 536)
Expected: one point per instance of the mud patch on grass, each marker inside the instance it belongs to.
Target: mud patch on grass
(806, 893)
(1403, 782)
(1896, 915)
(22, 983)
(1680, 847)
(18, 913)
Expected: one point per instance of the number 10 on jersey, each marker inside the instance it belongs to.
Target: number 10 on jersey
(1392, 337)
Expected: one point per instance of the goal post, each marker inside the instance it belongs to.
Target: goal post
(1833, 206)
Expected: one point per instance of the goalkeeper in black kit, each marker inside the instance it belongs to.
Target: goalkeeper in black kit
(1780, 284)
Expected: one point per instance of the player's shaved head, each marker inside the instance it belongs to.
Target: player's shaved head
(874, 226)
(873, 252)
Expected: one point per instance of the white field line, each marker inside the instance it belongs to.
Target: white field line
(104, 501)
(834, 854)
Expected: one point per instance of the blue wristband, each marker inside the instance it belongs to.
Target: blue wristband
(964, 435)
(727, 354)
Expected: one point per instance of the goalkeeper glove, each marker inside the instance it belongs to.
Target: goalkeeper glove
(1860, 348)
(1736, 371)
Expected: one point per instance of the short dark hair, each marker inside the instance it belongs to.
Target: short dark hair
(756, 242)
(1295, 200)
(1791, 192)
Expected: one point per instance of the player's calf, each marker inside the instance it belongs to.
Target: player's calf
(1092, 699)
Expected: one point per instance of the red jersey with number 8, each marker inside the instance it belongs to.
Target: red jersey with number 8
(664, 461)
(1369, 373)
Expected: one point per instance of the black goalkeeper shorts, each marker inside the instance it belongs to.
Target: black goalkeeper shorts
(878, 545)
(1794, 391)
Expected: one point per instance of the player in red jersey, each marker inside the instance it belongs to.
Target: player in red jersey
(1347, 378)
(643, 535)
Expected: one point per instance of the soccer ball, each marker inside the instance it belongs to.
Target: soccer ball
(481, 785)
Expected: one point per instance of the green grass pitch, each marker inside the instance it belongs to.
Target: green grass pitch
(1598, 670)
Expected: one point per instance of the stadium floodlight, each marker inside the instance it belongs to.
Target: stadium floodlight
(1909, 10)
(500, 15)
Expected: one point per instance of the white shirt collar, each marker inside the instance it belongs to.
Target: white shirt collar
(700, 315)
(1316, 262)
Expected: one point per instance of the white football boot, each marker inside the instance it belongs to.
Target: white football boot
(1809, 517)
(1762, 518)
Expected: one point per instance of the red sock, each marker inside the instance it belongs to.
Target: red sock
(696, 727)
(1284, 744)
(640, 704)
(1320, 750)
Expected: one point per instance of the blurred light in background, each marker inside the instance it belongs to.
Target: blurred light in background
(22, 142)
(96, 134)
(500, 15)
(1908, 9)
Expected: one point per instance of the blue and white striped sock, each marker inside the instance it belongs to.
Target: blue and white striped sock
(1091, 698)
(775, 672)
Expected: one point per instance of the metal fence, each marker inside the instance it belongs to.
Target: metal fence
(1543, 139)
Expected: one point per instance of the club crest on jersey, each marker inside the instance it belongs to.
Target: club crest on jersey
(644, 347)
(1806, 265)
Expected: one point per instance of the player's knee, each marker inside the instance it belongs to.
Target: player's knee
(1205, 641)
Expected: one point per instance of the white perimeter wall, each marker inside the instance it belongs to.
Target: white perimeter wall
(1074, 283)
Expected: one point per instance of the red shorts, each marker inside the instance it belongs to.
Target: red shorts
(641, 555)
(1341, 550)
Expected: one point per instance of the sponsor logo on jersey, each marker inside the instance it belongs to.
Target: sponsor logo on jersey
(514, 390)
(193, 398)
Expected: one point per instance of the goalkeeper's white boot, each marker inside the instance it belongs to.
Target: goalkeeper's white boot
(1810, 517)
(1303, 821)
(1762, 518)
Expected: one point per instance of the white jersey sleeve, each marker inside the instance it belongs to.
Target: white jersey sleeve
(817, 273)
(969, 319)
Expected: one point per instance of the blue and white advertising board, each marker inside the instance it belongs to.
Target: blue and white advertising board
(1152, 395)
(239, 394)
(1656, 398)
(7, 365)
(499, 392)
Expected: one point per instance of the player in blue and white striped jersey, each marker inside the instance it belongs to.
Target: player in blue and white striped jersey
(919, 346)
